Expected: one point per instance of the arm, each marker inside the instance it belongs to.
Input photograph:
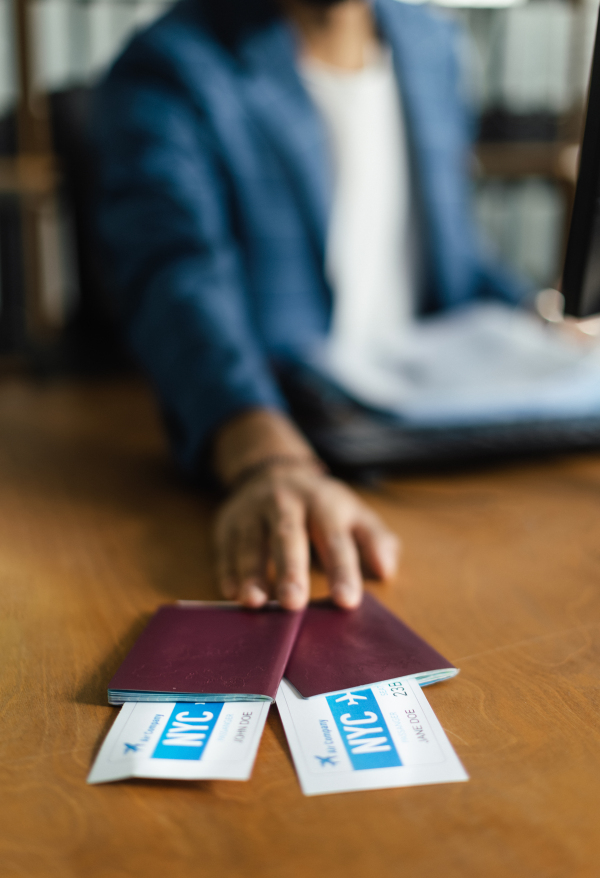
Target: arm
(174, 263)
(180, 282)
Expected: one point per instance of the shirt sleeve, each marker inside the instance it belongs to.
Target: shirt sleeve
(166, 224)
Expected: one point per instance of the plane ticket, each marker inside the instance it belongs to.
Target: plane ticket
(183, 741)
(386, 735)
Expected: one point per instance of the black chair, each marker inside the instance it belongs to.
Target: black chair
(90, 341)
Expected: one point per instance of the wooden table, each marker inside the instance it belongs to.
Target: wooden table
(501, 573)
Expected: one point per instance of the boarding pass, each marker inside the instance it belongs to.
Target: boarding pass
(386, 735)
(184, 741)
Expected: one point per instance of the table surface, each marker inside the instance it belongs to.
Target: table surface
(501, 573)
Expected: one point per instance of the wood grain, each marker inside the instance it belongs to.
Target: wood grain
(501, 573)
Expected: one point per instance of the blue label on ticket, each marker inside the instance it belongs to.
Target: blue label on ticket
(188, 731)
(363, 729)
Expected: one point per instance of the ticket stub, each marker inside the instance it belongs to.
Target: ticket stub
(363, 739)
(183, 741)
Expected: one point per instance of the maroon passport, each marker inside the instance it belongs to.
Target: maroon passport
(207, 652)
(343, 649)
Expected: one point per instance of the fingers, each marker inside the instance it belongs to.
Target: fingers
(225, 567)
(344, 532)
(339, 557)
(245, 540)
(250, 563)
(290, 550)
(271, 523)
(379, 548)
(241, 560)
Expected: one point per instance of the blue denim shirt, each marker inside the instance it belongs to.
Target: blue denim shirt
(214, 199)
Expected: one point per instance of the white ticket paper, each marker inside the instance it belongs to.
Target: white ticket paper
(183, 741)
(365, 739)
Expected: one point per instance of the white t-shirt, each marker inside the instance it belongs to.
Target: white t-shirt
(371, 245)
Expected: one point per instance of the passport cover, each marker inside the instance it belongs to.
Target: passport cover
(343, 649)
(207, 652)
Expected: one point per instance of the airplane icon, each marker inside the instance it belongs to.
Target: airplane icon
(326, 760)
(133, 748)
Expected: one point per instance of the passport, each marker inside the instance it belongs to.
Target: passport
(203, 652)
(196, 651)
(337, 650)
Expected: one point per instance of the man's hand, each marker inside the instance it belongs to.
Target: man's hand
(272, 519)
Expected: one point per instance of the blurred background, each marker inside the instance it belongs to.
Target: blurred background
(526, 71)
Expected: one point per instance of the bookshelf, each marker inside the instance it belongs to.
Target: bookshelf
(512, 161)
(531, 69)
(29, 175)
(47, 47)
(29, 185)
(521, 166)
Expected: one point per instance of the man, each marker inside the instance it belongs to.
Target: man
(274, 177)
